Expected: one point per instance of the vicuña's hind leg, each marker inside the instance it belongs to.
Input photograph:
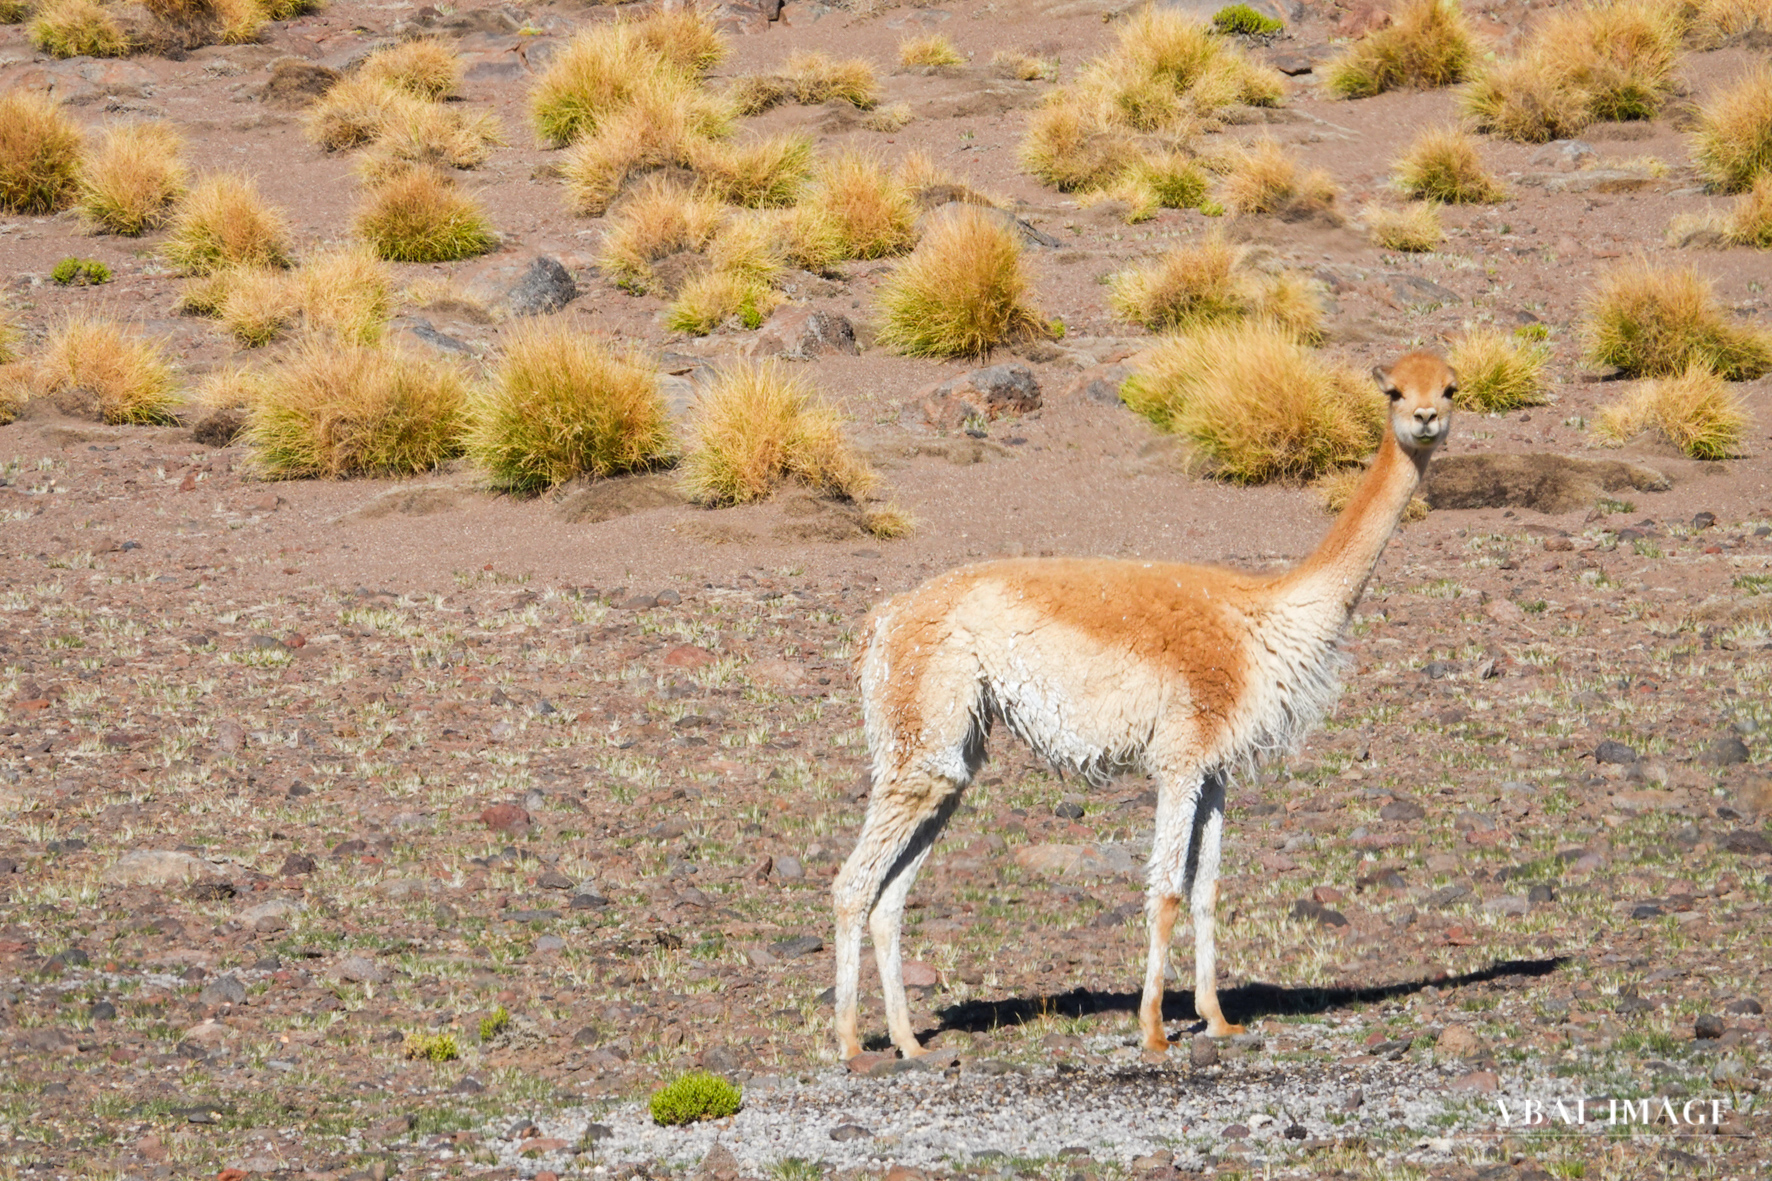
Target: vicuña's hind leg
(904, 816)
(1207, 841)
(1178, 797)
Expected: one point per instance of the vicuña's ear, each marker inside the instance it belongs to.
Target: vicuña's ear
(1383, 378)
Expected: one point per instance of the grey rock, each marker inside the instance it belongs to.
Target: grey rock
(843, 1133)
(1610, 751)
(1402, 810)
(223, 990)
(1564, 155)
(1726, 752)
(440, 340)
(789, 869)
(359, 970)
(801, 334)
(988, 393)
(1708, 1026)
(545, 287)
(797, 946)
(1203, 1051)
(1416, 291)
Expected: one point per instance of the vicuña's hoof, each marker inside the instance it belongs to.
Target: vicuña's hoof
(1157, 1045)
(1223, 1029)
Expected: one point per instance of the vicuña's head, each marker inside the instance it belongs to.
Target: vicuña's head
(1420, 387)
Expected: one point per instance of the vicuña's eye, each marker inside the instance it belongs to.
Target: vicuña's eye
(1395, 395)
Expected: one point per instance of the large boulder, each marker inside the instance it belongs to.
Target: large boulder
(990, 393)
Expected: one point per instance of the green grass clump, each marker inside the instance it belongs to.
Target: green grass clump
(80, 272)
(1257, 405)
(561, 405)
(431, 1047)
(962, 292)
(1244, 20)
(1498, 372)
(332, 410)
(494, 1023)
(756, 427)
(1696, 411)
(1732, 145)
(1429, 45)
(39, 154)
(1656, 323)
(418, 216)
(695, 1096)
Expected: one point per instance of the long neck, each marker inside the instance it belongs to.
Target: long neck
(1337, 573)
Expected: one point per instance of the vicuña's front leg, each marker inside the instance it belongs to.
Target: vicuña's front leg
(1177, 799)
(1205, 907)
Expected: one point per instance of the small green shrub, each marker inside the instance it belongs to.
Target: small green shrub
(1240, 18)
(80, 272)
(494, 1023)
(432, 1047)
(695, 1096)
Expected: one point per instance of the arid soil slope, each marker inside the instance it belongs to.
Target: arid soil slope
(299, 774)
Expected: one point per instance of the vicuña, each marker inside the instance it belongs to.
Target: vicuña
(1184, 673)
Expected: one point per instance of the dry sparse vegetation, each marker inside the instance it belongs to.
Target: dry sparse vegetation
(332, 410)
(1257, 405)
(606, 69)
(1695, 411)
(963, 292)
(1337, 488)
(1427, 44)
(1609, 61)
(1414, 230)
(1498, 372)
(425, 69)
(39, 153)
(420, 216)
(1443, 165)
(562, 405)
(814, 78)
(130, 182)
(1656, 323)
(1711, 24)
(78, 28)
(930, 50)
(743, 261)
(93, 368)
(223, 222)
(345, 293)
(868, 208)
(258, 304)
(769, 172)
(1749, 220)
(1211, 283)
(1732, 144)
(759, 426)
(658, 219)
(1023, 67)
(1264, 179)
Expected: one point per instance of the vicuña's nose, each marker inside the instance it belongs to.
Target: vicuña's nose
(1426, 415)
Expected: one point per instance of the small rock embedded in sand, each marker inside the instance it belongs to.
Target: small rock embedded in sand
(511, 819)
(155, 867)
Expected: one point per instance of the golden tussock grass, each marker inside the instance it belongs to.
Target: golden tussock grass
(890, 118)
(561, 405)
(93, 368)
(1428, 44)
(685, 37)
(1443, 164)
(814, 78)
(743, 261)
(1656, 323)
(331, 410)
(15, 389)
(424, 69)
(1749, 220)
(78, 28)
(769, 172)
(436, 136)
(346, 294)
(657, 219)
(1711, 24)
(131, 180)
(888, 522)
(1264, 179)
(870, 211)
(420, 216)
(1337, 488)
(1414, 230)
(933, 49)
(221, 222)
(758, 427)
(14, 12)
(1601, 61)
(9, 339)
(257, 305)
(39, 153)
(1256, 405)
(605, 69)
(1211, 283)
(660, 126)
(354, 112)
(1695, 410)
(1732, 145)
(1023, 67)
(1498, 372)
(964, 291)
(1071, 146)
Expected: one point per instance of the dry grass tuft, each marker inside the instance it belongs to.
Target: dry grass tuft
(1656, 323)
(1415, 230)
(1443, 164)
(14, 12)
(78, 28)
(92, 368)
(1256, 405)
(354, 112)
(962, 293)
(1212, 283)
(346, 294)
(1749, 220)
(888, 522)
(932, 50)
(685, 37)
(1696, 411)
(1264, 179)
(1732, 144)
(767, 173)
(606, 69)
(743, 260)
(39, 153)
(223, 222)
(425, 69)
(1023, 67)
(869, 210)
(1711, 24)
(1498, 372)
(128, 185)
(1070, 147)
(888, 119)
(420, 216)
(330, 410)
(1429, 44)
(758, 427)
(1337, 488)
(661, 126)
(657, 220)
(258, 304)
(814, 78)
(434, 136)
(561, 405)
(1610, 61)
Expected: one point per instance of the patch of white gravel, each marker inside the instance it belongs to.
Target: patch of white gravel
(1116, 1112)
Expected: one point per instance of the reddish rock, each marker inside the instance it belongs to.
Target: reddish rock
(865, 1063)
(511, 819)
(1483, 1081)
(688, 656)
(1327, 895)
(988, 394)
(918, 974)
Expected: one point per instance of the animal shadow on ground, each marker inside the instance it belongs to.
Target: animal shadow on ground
(1242, 1003)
